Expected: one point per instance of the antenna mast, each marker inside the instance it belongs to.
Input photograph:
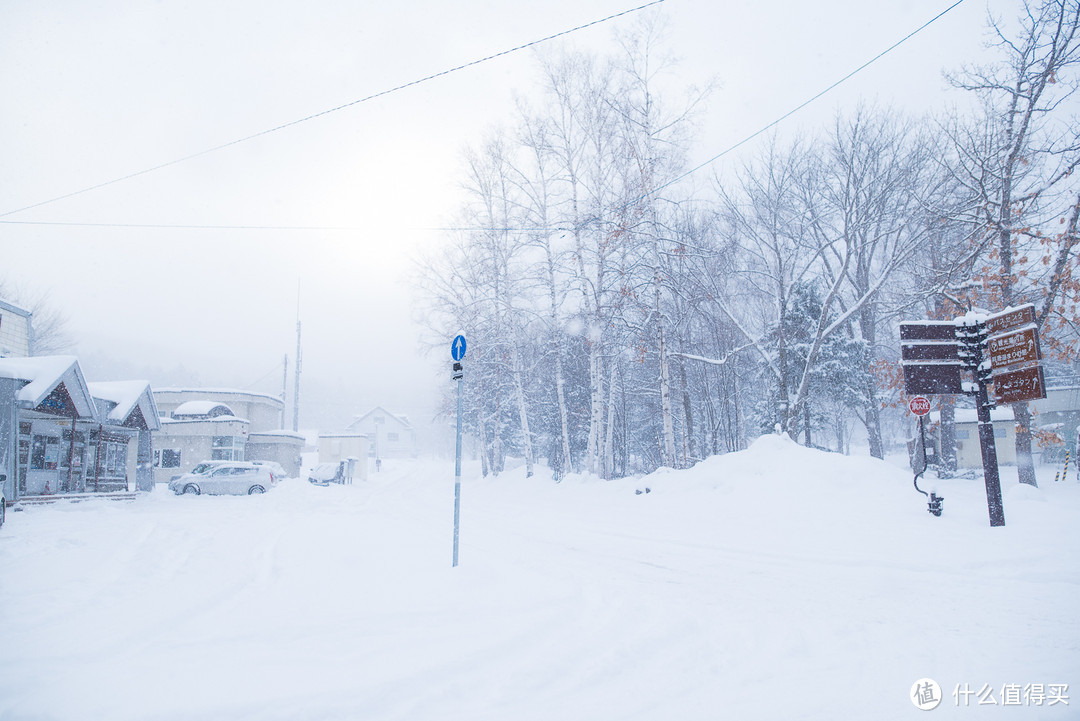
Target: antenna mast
(296, 383)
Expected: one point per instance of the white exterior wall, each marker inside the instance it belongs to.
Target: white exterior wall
(194, 440)
(969, 452)
(15, 332)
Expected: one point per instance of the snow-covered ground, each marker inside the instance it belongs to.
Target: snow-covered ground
(776, 583)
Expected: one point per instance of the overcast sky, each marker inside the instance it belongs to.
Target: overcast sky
(97, 91)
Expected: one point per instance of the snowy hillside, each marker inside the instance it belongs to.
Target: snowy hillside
(776, 583)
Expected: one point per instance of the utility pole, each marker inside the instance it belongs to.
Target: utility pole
(296, 383)
(284, 387)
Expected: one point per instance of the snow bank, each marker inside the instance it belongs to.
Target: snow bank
(776, 583)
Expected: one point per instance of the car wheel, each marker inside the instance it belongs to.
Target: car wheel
(191, 488)
(256, 489)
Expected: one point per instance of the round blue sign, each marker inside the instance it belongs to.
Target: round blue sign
(457, 348)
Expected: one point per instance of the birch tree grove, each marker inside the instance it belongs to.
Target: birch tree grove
(621, 319)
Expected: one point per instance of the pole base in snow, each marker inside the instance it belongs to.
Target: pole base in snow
(934, 506)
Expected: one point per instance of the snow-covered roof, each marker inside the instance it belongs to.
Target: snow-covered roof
(224, 391)
(202, 408)
(215, 419)
(11, 308)
(403, 420)
(125, 397)
(43, 374)
(970, 415)
(279, 434)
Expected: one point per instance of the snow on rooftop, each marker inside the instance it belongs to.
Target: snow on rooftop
(124, 394)
(970, 415)
(40, 372)
(279, 433)
(200, 408)
(230, 391)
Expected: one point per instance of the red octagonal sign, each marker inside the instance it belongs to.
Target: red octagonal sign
(919, 405)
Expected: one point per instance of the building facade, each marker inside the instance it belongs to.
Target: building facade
(211, 424)
(61, 435)
(390, 435)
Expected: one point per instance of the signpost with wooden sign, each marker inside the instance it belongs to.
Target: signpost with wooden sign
(1026, 384)
(1010, 319)
(928, 353)
(1002, 349)
(1014, 348)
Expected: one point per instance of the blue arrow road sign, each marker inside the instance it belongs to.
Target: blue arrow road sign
(457, 348)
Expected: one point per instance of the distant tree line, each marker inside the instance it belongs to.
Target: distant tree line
(619, 321)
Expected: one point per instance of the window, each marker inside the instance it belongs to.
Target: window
(227, 448)
(380, 419)
(37, 454)
(999, 433)
(52, 452)
(116, 459)
(962, 435)
(170, 457)
(392, 437)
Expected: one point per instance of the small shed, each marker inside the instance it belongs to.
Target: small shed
(336, 447)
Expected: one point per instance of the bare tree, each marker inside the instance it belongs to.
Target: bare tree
(1017, 162)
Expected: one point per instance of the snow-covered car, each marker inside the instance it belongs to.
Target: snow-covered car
(234, 478)
(326, 473)
(203, 468)
(276, 468)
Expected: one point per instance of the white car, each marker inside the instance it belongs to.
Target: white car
(234, 478)
(274, 467)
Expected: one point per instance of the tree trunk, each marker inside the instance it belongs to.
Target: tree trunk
(947, 436)
(1025, 463)
(608, 464)
(668, 446)
(523, 414)
(564, 425)
(806, 424)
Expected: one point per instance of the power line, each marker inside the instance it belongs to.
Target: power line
(799, 107)
(178, 226)
(331, 110)
(584, 223)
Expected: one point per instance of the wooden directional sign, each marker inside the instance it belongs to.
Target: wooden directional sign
(1026, 384)
(931, 378)
(1013, 348)
(928, 351)
(927, 330)
(1010, 319)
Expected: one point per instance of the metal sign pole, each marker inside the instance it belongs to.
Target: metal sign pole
(457, 475)
(457, 353)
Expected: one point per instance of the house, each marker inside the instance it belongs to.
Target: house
(391, 435)
(205, 424)
(16, 331)
(62, 435)
(968, 450)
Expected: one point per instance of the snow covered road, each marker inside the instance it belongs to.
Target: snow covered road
(777, 583)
